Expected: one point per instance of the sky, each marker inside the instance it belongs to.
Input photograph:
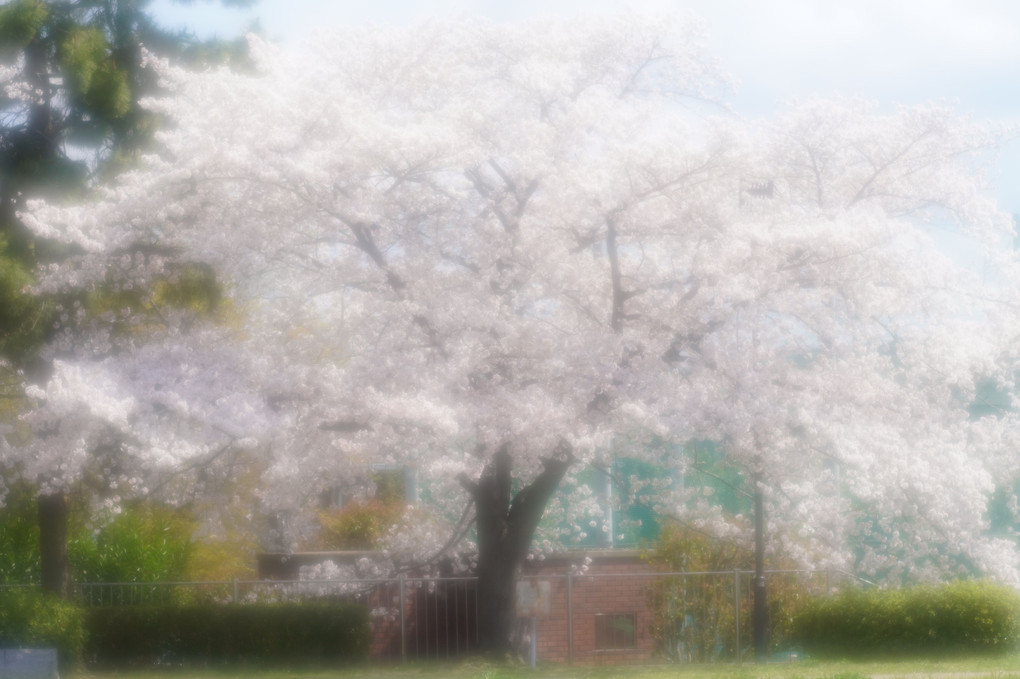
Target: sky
(962, 53)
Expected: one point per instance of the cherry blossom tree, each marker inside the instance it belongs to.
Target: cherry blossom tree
(496, 253)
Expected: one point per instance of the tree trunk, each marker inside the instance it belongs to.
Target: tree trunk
(506, 524)
(760, 615)
(53, 543)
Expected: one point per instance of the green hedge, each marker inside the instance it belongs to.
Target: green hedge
(278, 634)
(31, 619)
(962, 617)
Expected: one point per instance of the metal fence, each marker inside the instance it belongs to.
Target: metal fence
(601, 618)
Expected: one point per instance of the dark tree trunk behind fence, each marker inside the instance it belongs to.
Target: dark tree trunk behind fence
(506, 524)
(53, 543)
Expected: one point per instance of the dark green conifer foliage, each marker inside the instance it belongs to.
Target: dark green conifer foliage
(82, 61)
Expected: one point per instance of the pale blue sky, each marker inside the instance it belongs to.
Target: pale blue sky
(961, 52)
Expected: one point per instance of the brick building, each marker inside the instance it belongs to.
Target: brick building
(600, 616)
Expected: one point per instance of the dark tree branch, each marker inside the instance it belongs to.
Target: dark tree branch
(619, 295)
(529, 505)
(345, 426)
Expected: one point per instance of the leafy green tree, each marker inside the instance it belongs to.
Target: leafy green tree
(145, 543)
(19, 538)
(70, 114)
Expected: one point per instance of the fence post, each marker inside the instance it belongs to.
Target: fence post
(570, 618)
(233, 593)
(403, 620)
(736, 613)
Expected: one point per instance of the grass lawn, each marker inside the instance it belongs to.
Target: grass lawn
(999, 667)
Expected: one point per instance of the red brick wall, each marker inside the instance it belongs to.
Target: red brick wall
(615, 583)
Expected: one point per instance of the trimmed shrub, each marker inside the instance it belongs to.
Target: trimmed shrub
(277, 634)
(962, 617)
(31, 619)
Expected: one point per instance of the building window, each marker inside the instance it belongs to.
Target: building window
(615, 631)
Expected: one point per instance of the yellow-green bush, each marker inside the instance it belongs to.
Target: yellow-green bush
(698, 610)
(357, 526)
(961, 617)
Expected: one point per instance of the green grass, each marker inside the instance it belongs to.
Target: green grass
(998, 667)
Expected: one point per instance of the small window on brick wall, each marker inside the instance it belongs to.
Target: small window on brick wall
(615, 631)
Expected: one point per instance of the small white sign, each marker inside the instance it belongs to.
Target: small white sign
(28, 663)
(532, 598)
